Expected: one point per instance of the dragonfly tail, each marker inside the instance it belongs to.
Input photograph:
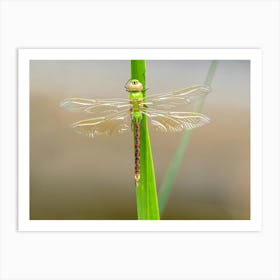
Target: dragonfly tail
(137, 154)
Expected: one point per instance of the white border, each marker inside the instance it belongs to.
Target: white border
(254, 55)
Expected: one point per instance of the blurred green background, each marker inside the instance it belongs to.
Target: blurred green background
(73, 177)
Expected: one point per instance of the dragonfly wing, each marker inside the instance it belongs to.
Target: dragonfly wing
(173, 99)
(94, 106)
(115, 123)
(176, 121)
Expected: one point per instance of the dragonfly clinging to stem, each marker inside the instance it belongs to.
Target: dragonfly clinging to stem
(111, 116)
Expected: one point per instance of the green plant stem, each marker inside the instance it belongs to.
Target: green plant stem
(146, 193)
(172, 171)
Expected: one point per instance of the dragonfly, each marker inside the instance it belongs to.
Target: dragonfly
(118, 115)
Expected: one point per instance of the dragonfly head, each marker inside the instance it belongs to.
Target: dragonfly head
(134, 85)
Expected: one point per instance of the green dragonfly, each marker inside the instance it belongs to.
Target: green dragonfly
(109, 116)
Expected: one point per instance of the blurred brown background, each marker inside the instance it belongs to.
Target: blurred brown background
(75, 177)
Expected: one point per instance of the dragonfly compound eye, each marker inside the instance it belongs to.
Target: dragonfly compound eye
(135, 85)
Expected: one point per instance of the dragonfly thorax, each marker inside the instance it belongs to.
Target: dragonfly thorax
(136, 96)
(136, 99)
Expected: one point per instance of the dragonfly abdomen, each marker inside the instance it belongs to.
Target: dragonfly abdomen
(137, 153)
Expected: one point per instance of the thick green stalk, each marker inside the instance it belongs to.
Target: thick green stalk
(146, 193)
(170, 176)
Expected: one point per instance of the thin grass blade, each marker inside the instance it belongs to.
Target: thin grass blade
(146, 193)
(168, 181)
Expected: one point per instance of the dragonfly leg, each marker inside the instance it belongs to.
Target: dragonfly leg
(125, 85)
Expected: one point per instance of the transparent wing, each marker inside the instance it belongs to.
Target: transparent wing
(115, 123)
(95, 106)
(173, 99)
(175, 121)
